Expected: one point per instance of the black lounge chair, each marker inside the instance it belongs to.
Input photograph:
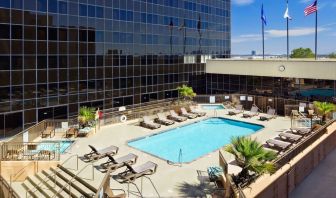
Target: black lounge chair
(270, 115)
(113, 164)
(96, 154)
(130, 174)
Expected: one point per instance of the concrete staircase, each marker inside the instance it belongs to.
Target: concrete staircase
(60, 182)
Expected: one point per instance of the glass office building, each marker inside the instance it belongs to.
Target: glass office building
(56, 56)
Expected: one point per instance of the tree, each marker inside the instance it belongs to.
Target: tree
(324, 108)
(251, 156)
(186, 92)
(86, 115)
(332, 55)
(302, 53)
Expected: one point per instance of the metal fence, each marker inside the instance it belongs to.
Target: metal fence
(30, 151)
(283, 106)
(302, 145)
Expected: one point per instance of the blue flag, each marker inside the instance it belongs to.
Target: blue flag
(263, 17)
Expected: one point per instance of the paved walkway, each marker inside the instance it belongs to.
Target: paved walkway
(321, 182)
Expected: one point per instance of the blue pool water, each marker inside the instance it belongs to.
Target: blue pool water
(195, 140)
(317, 92)
(64, 145)
(212, 107)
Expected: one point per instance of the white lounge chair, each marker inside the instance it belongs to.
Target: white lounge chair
(162, 119)
(114, 164)
(277, 144)
(186, 114)
(287, 136)
(270, 115)
(238, 109)
(96, 154)
(149, 123)
(130, 174)
(173, 116)
(253, 112)
(196, 111)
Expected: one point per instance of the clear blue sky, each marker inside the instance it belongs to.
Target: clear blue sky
(246, 26)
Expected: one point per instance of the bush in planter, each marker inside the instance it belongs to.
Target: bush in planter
(86, 116)
(250, 156)
(324, 108)
(187, 93)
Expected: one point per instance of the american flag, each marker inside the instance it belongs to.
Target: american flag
(311, 8)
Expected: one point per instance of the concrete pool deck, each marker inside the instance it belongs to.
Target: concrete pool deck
(169, 180)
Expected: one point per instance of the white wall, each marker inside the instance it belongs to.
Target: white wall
(293, 68)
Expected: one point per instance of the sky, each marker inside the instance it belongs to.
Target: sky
(246, 26)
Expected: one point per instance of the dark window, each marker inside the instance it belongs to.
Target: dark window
(52, 6)
(4, 31)
(16, 32)
(17, 4)
(42, 5)
(62, 7)
(4, 62)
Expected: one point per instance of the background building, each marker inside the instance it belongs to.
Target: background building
(56, 56)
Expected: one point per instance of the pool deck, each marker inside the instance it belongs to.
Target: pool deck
(169, 180)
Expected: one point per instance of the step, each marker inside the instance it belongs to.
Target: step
(27, 185)
(60, 184)
(40, 186)
(82, 181)
(52, 186)
(83, 190)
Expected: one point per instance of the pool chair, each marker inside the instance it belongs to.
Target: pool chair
(270, 115)
(130, 174)
(196, 111)
(161, 119)
(238, 109)
(96, 154)
(228, 105)
(48, 131)
(289, 137)
(277, 144)
(113, 164)
(301, 131)
(71, 132)
(253, 112)
(147, 123)
(173, 116)
(185, 113)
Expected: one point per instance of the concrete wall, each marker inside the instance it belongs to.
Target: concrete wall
(272, 68)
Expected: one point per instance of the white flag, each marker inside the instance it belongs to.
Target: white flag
(286, 15)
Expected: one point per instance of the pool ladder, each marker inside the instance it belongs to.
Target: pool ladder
(215, 113)
(180, 157)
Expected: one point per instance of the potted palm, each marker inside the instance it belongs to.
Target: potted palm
(187, 93)
(250, 156)
(324, 108)
(86, 115)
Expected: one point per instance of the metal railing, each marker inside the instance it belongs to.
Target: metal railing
(30, 151)
(54, 174)
(73, 178)
(302, 145)
(6, 185)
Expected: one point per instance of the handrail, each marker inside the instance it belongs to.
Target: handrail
(12, 176)
(11, 190)
(72, 178)
(152, 185)
(54, 174)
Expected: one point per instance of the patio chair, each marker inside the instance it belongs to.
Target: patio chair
(238, 109)
(173, 116)
(161, 119)
(277, 144)
(228, 105)
(96, 154)
(72, 131)
(147, 123)
(114, 164)
(48, 131)
(301, 131)
(184, 113)
(290, 137)
(84, 132)
(197, 112)
(130, 174)
(253, 112)
(270, 115)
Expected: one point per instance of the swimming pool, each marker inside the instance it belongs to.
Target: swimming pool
(194, 140)
(316, 92)
(64, 145)
(212, 107)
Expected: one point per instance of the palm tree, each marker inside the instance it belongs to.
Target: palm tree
(251, 156)
(186, 92)
(86, 114)
(324, 108)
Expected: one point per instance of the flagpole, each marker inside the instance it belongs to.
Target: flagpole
(263, 40)
(287, 34)
(316, 34)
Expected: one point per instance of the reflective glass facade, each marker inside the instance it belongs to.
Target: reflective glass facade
(56, 56)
